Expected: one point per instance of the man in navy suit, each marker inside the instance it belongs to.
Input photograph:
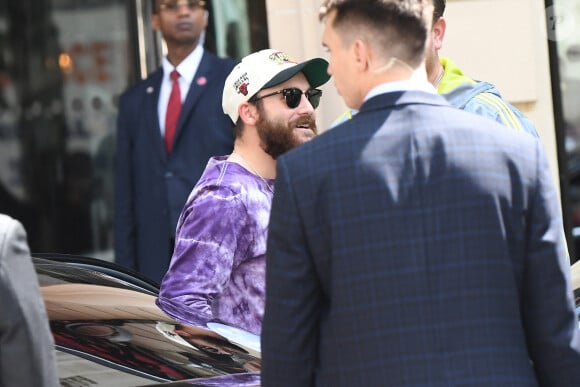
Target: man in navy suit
(155, 174)
(415, 244)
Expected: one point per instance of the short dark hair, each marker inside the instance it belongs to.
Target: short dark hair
(439, 9)
(400, 26)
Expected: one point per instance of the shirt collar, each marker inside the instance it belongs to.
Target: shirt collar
(405, 85)
(188, 67)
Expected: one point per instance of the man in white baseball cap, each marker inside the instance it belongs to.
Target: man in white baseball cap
(217, 271)
(266, 69)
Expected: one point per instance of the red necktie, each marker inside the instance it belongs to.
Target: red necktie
(173, 110)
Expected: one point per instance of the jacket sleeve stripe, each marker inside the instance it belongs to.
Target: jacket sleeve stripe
(508, 118)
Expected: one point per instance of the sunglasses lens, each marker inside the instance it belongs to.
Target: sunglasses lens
(313, 96)
(293, 97)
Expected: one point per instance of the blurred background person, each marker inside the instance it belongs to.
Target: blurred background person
(169, 125)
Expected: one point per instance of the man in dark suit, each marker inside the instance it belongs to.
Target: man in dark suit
(415, 244)
(156, 168)
(27, 355)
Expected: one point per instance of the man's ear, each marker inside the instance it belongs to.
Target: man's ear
(205, 18)
(248, 113)
(438, 34)
(360, 51)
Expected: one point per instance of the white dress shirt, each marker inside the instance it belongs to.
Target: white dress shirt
(186, 69)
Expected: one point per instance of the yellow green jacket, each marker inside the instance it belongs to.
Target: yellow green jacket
(477, 97)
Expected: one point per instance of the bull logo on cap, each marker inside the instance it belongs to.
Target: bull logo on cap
(243, 88)
(241, 84)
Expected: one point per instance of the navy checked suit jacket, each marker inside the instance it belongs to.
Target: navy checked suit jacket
(417, 245)
(151, 186)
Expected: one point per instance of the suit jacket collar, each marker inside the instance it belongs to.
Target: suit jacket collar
(196, 90)
(152, 88)
(398, 98)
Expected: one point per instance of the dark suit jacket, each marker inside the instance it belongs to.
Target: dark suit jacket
(152, 187)
(27, 356)
(417, 245)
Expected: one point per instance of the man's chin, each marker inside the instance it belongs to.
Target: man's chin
(305, 135)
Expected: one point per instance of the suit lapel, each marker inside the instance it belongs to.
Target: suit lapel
(150, 113)
(196, 91)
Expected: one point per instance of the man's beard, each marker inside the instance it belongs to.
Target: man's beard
(279, 137)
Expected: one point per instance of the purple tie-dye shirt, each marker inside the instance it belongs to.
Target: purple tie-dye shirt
(217, 271)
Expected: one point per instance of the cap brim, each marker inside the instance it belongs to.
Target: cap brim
(315, 71)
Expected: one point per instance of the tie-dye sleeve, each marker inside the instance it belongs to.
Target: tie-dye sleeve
(208, 236)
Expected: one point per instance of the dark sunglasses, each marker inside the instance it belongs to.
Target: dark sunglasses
(293, 95)
(173, 6)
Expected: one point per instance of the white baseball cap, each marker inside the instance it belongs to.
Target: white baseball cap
(264, 69)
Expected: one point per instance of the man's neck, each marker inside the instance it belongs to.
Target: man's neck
(254, 159)
(176, 54)
(396, 74)
(435, 73)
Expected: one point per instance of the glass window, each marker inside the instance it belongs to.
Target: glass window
(63, 65)
(240, 27)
